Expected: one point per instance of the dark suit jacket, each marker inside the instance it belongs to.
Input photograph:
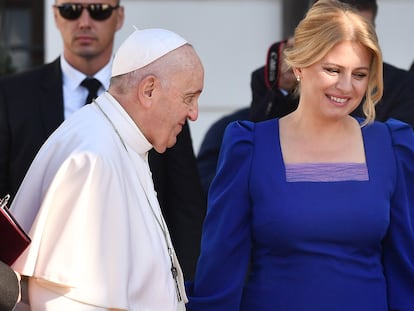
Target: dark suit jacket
(31, 108)
(397, 101)
(210, 146)
(268, 103)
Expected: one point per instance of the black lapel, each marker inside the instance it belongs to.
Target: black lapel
(51, 97)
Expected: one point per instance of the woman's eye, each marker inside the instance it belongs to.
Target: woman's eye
(332, 70)
(360, 75)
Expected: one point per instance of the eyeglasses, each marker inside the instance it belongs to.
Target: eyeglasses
(97, 11)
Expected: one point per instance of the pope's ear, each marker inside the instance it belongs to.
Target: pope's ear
(146, 88)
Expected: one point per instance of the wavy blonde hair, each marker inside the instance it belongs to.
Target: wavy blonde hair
(327, 23)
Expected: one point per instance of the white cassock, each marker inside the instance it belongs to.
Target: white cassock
(89, 205)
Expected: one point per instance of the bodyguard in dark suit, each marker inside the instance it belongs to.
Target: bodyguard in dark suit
(32, 106)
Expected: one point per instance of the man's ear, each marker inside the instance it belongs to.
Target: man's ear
(146, 89)
(56, 17)
(120, 17)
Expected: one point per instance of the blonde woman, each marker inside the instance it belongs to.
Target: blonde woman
(314, 211)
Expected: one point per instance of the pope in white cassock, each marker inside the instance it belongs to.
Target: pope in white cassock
(99, 241)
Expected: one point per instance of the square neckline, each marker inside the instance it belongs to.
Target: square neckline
(331, 168)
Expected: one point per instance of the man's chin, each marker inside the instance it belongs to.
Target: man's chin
(163, 148)
(172, 142)
(160, 149)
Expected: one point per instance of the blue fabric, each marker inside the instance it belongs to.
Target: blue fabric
(210, 146)
(273, 245)
(326, 171)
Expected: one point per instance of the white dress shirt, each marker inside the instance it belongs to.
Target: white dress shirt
(74, 95)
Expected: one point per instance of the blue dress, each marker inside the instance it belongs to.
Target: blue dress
(269, 244)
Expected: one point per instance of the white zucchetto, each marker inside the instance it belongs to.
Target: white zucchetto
(143, 47)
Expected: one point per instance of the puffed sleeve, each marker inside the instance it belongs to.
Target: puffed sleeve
(226, 238)
(398, 257)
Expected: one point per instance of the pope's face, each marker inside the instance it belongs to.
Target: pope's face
(334, 86)
(178, 102)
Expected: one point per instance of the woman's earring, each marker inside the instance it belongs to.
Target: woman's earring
(298, 78)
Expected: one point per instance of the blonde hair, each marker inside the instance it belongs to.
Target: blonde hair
(327, 23)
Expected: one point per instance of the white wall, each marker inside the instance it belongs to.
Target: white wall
(395, 26)
(232, 37)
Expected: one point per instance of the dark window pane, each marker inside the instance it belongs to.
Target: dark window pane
(21, 35)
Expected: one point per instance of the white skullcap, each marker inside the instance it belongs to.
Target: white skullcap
(143, 47)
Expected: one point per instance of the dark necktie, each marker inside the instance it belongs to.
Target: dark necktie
(92, 85)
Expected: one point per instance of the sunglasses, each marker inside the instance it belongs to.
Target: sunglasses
(97, 11)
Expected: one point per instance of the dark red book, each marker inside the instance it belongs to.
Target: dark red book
(13, 239)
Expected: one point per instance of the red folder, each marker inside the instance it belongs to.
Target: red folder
(13, 239)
